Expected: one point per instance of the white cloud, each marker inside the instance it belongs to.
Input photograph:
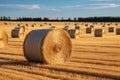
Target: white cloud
(102, 6)
(33, 6)
(75, 6)
(54, 9)
(102, 0)
(92, 6)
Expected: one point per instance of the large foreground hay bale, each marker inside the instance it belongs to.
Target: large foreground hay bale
(89, 30)
(3, 39)
(74, 33)
(52, 46)
(110, 29)
(99, 32)
(117, 31)
(17, 33)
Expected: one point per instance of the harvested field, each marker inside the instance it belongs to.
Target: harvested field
(93, 58)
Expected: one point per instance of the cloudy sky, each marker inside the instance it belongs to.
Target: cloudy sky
(59, 8)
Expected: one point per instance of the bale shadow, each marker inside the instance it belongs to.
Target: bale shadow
(20, 63)
(11, 54)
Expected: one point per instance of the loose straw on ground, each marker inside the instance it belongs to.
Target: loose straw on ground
(52, 46)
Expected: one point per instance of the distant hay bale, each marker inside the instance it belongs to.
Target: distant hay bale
(51, 46)
(99, 32)
(108, 24)
(33, 25)
(45, 23)
(65, 23)
(18, 24)
(91, 26)
(75, 24)
(41, 25)
(25, 28)
(117, 31)
(89, 30)
(3, 39)
(116, 24)
(52, 27)
(103, 26)
(86, 25)
(18, 27)
(77, 27)
(50, 24)
(66, 28)
(5, 23)
(21, 27)
(110, 29)
(27, 25)
(17, 33)
(74, 33)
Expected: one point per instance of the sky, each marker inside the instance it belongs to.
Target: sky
(59, 8)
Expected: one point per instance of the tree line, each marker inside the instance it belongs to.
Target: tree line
(75, 19)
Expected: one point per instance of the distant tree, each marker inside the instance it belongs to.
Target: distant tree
(45, 19)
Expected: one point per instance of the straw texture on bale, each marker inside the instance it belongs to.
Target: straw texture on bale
(77, 27)
(117, 31)
(110, 29)
(51, 46)
(89, 30)
(74, 33)
(17, 33)
(3, 39)
(99, 32)
(66, 28)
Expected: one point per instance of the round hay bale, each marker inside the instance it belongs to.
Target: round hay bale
(73, 33)
(18, 27)
(18, 24)
(52, 27)
(103, 25)
(33, 25)
(91, 26)
(26, 24)
(25, 28)
(110, 29)
(51, 46)
(17, 33)
(99, 32)
(117, 31)
(86, 25)
(77, 27)
(3, 39)
(108, 24)
(89, 30)
(66, 28)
